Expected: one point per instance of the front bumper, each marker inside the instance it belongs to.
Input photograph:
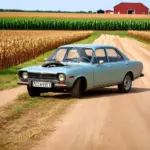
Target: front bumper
(55, 85)
(23, 83)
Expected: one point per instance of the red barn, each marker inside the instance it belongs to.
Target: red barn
(108, 11)
(131, 8)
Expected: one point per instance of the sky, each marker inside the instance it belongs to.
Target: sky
(64, 5)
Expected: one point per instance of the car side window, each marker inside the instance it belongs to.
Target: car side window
(88, 53)
(100, 55)
(113, 55)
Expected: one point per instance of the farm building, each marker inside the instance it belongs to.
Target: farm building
(131, 8)
(100, 11)
(108, 12)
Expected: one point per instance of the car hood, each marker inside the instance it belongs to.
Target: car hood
(62, 69)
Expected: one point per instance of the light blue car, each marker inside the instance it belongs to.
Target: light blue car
(80, 67)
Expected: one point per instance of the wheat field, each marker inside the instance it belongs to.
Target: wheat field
(19, 46)
(71, 15)
(144, 35)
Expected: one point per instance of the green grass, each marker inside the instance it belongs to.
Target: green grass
(9, 77)
(120, 33)
(22, 103)
(25, 103)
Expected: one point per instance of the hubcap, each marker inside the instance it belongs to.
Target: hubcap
(127, 82)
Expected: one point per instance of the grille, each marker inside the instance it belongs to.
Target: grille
(42, 76)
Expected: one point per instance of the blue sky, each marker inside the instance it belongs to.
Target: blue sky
(67, 5)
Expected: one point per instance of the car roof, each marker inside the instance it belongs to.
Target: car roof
(93, 46)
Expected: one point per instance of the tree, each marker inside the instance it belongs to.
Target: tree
(90, 12)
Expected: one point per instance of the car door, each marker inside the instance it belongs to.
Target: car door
(117, 66)
(101, 72)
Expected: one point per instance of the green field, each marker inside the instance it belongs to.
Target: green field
(73, 24)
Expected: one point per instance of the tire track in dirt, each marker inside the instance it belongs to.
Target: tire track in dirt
(106, 119)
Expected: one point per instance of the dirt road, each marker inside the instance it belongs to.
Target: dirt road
(106, 120)
(7, 96)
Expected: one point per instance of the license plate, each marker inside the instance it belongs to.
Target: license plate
(42, 84)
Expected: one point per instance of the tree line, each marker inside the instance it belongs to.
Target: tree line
(44, 11)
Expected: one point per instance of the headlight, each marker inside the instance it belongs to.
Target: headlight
(61, 77)
(25, 75)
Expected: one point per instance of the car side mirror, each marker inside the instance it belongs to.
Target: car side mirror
(101, 62)
(45, 59)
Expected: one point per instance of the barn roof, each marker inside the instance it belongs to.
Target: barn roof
(109, 11)
(128, 3)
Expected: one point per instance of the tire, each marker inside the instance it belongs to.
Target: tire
(33, 92)
(126, 85)
(77, 89)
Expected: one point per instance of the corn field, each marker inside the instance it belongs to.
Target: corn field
(144, 35)
(73, 24)
(19, 46)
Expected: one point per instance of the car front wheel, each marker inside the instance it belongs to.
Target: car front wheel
(77, 89)
(33, 92)
(126, 85)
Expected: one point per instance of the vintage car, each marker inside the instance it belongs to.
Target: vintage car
(80, 67)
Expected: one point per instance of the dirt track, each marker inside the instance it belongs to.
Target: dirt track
(106, 120)
(7, 96)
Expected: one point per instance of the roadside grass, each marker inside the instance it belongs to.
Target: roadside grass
(120, 33)
(26, 119)
(9, 77)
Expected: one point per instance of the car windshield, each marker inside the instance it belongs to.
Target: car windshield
(72, 54)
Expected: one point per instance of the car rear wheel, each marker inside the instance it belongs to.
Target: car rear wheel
(77, 89)
(33, 92)
(126, 85)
